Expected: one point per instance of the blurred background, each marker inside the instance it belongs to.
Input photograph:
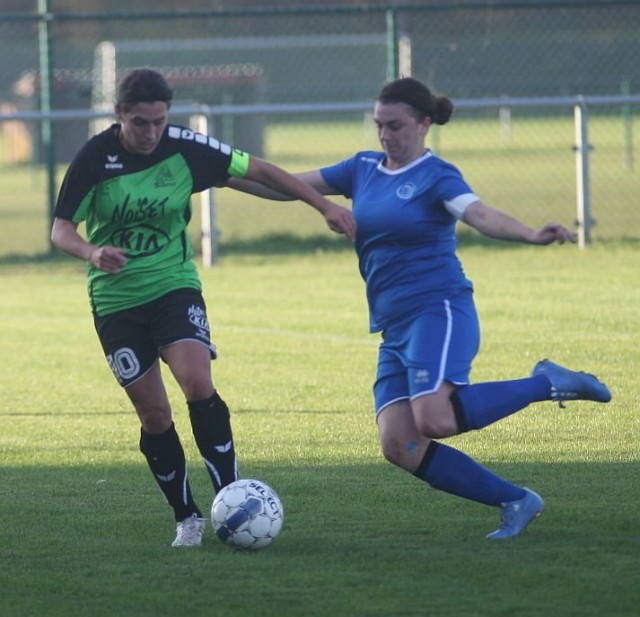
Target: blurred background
(546, 96)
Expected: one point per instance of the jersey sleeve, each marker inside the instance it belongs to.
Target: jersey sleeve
(210, 160)
(340, 176)
(78, 186)
(454, 192)
(458, 205)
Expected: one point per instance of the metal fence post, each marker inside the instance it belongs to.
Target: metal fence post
(393, 57)
(627, 118)
(582, 148)
(46, 102)
(209, 239)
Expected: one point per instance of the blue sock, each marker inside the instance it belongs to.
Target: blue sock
(479, 405)
(452, 471)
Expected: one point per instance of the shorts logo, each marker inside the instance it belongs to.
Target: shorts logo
(198, 318)
(124, 363)
(406, 191)
(422, 376)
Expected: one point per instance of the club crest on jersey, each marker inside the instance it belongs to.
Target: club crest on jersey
(164, 177)
(406, 190)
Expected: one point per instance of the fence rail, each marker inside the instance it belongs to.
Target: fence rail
(500, 61)
(579, 105)
(280, 108)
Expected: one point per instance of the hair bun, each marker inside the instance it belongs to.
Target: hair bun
(442, 109)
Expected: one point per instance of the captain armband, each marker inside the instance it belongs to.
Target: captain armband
(239, 165)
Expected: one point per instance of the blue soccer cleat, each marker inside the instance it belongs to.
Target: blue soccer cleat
(516, 515)
(568, 385)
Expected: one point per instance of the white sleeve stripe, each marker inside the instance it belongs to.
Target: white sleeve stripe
(459, 204)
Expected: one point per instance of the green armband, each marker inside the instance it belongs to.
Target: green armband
(239, 165)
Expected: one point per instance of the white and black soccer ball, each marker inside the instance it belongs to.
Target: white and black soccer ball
(247, 515)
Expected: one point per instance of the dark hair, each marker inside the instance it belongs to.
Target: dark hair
(415, 94)
(143, 86)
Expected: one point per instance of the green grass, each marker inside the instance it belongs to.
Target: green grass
(85, 531)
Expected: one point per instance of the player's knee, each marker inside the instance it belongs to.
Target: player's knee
(197, 387)
(155, 419)
(436, 423)
(395, 454)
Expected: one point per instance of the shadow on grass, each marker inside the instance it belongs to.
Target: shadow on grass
(98, 541)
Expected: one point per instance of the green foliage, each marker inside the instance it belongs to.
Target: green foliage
(86, 532)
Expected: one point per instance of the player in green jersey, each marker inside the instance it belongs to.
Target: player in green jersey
(131, 185)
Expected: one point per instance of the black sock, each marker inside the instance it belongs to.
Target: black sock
(166, 460)
(211, 425)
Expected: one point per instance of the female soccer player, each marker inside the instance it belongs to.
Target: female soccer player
(406, 202)
(132, 186)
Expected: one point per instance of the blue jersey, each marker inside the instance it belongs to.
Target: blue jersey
(405, 240)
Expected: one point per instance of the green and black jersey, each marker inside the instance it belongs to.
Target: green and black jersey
(142, 203)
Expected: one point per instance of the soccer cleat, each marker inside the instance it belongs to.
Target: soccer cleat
(190, 531)
(568, 385)
(516, 515)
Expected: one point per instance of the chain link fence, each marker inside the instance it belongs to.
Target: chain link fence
(297, 85)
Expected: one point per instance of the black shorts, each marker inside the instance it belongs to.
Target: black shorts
(133, 338)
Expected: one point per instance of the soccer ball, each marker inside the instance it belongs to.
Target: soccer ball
(247, 515)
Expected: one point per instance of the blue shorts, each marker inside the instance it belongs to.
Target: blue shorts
(418, 353)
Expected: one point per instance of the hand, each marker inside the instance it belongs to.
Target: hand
(340, 220)
(108, 258)
(553, 232)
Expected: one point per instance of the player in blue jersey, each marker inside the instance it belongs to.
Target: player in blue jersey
(406, 203)
(132, 186)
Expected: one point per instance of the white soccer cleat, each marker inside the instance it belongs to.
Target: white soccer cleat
(190, 532)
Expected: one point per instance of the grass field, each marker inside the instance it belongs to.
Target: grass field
(85, 531)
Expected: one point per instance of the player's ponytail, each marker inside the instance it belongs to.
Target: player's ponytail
(414, 93)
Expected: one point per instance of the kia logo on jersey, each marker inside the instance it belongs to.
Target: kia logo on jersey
(140, 241)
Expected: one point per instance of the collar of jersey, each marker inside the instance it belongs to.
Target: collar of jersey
(393, 172)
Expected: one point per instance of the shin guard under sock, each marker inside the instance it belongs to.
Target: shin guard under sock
(211, 425)
(479, 405)
(449, 470)
(166, 460)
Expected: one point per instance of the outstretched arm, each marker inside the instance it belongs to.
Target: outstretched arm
(496, 224)
(312, 178)
(268, 181)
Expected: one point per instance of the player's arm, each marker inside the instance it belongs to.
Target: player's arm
(65, 236)
(499, 225)
(266, 180)
(312, 178)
